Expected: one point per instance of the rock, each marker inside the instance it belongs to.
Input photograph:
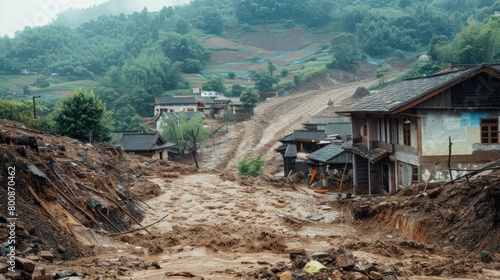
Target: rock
(389, 277)
(43, 277)
(46, 255)
(33, 258)
(14, 275)
(4, 267)
(61, 249)
(376, 275)
(320, 255)
(359, 276)
(151, 265)
(65, 274)
(296, 252)
(287, 275)
(485, 256)
(337, 275)
(345, 261)
(138, 250)
(25, 264)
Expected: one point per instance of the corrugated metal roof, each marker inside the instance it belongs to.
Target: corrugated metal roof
(398, 95)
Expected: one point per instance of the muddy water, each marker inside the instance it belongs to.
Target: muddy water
(207, 201)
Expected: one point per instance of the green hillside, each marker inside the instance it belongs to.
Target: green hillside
(128, 59)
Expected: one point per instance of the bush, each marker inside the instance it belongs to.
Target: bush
(289, 23)
(251, 166)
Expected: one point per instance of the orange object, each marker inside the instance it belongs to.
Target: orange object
(312, 177)
(320, 191)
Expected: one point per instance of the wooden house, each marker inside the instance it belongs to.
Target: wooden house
(430, 128)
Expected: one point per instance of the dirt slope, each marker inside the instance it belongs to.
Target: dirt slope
(274, 119)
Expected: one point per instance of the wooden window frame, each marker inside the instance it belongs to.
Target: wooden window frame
(489, 131)
(407, 134)
(414, 174)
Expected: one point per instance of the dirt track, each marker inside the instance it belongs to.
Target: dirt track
(274, 119)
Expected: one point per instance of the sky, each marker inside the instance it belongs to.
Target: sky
(16, 14)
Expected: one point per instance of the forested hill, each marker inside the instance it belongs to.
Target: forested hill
(135, 57)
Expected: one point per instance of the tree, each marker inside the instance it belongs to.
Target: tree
(215, 84)
(182, 27)
(251, 166)
(271, 68)
(187, 133)
(236, 90)
(83, 116)
(404, 3)
(213, 22)
(263, 80)
(345, 52)
(249, 98)
(382, 73)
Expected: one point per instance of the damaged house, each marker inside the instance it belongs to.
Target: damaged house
(297, 145)
(436, 127)
(149, 144)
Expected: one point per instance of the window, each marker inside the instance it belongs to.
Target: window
(407, 134)
(365, 129)
(489, 131)
(414, 174)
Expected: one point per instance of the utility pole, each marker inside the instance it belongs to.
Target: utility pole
(34, 105)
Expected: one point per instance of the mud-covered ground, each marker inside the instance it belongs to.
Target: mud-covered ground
(213, 224)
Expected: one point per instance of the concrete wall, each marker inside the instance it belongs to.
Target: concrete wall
(462, 126)
(175, 108)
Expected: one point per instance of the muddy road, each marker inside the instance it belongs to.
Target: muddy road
(271, 121)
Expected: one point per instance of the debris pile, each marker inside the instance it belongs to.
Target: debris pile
(464, 214)
(63, 191)
(330, 264)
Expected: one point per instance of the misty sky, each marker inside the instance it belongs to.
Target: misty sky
(16, 14)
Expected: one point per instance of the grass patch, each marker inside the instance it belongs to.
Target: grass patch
(15, 83)
(69, 86)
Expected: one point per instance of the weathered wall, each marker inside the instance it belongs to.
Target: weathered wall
(462, 126)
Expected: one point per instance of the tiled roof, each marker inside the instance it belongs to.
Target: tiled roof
(451, 68)
(326, 120)
(398, 95)
(177, 115)
(218, 106)
(304, 134)
(372, 155)
(140, 141)
(236, 101)
(291, 151)
(342, 129)
(327, 154)
(175, 100)
(204, 99)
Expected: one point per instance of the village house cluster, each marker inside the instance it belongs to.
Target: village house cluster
(434, 128)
